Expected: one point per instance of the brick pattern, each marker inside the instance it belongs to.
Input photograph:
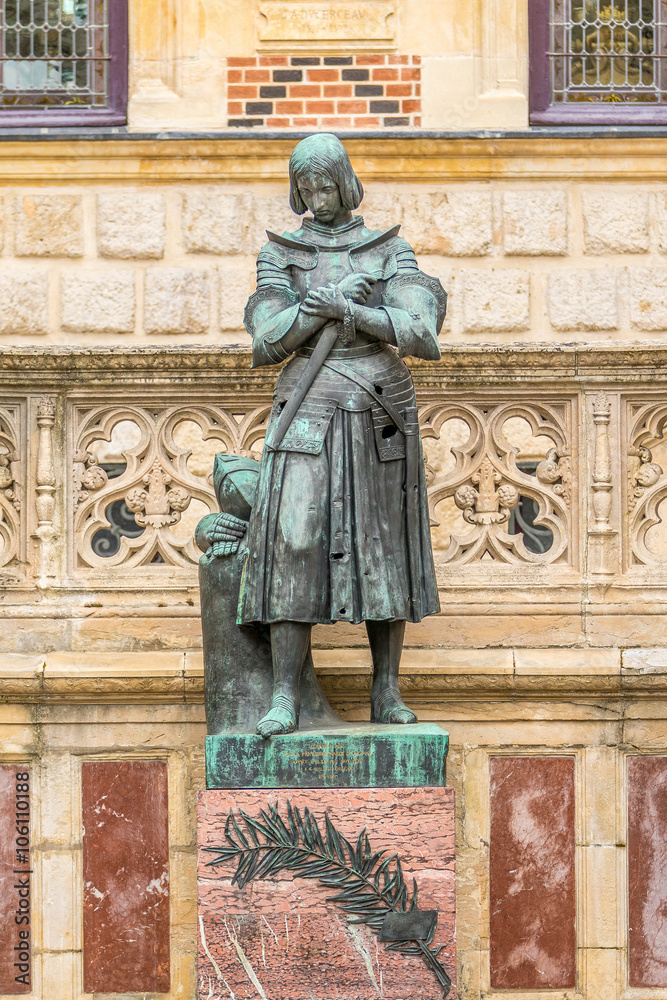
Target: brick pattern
(359, 91)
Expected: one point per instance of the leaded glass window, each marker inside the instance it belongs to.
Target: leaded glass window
(62, 58)
(595, 60)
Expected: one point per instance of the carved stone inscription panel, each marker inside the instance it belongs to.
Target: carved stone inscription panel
(356, 22)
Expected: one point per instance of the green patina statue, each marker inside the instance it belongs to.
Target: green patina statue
(333, 524)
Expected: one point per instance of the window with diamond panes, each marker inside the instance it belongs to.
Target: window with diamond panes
(63, 62)
(595, 62)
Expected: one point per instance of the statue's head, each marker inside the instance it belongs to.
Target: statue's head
(321, 164)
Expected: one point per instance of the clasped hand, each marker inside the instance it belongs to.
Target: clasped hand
(330, 300)
(225, 533)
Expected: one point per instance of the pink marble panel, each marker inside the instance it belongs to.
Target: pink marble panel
(647, 871)
(532, 876)
(15, 904)
(285, 939)
(125, 877)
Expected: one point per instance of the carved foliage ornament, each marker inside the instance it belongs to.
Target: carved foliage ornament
(370, 887)
(490, 503)
(486, 482)
(156, 505)
(88, 476)
(10, 502)
(647, 487)
(156, 483)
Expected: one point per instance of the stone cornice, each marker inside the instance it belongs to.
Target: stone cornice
(410, 159)
(502, 364)
(499, 674)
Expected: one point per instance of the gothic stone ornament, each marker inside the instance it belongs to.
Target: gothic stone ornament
(88, 476)
(486, 482)
(602, 557)
(45, 500)
(647, 489)
(10, 490)
(555, 470)
(157, 505)
(345, 304)
(155, 478)
(646, 474)
(491, 503)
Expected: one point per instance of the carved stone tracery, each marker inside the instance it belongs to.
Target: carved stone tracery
(10, 493)
(487, 482)
(156, 482)
(647, 487)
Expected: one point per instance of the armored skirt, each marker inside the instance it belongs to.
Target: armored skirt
(329, 537)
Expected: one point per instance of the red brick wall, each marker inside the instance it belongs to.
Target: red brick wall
(360, 91)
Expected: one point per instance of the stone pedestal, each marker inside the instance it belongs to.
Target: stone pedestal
(346, 756)
(359, 813)
(285, 938)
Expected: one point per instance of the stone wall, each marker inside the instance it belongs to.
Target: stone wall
(522, 260)
(602, 711)
(119, 257)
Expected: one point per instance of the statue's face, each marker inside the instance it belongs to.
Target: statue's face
(321, 196)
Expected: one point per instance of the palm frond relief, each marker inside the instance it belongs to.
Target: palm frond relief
(370, 886)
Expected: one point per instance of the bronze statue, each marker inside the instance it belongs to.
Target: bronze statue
(338, 525)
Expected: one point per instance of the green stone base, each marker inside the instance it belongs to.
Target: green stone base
(360, 756)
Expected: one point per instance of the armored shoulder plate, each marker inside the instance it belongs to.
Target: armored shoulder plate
(282, 297)
(411, 279)
(384, 255)
(281, 252)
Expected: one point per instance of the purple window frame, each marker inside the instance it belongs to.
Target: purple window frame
(544, 112)
(115, 113)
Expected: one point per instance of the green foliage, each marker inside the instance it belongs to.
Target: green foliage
(368, 884)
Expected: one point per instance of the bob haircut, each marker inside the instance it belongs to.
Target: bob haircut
(324, 154)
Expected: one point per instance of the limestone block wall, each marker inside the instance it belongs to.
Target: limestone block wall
(527, 253)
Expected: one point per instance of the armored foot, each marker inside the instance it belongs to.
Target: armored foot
(282, 718)
(389, 708)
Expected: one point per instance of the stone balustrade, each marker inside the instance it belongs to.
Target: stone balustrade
(545, 469)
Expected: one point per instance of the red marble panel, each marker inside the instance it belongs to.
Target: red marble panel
(284, 937)
(125, 877)
(15, 910)
(532, 873)
(647, 871)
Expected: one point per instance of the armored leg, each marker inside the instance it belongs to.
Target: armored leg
(386, 642)
(290, 642)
